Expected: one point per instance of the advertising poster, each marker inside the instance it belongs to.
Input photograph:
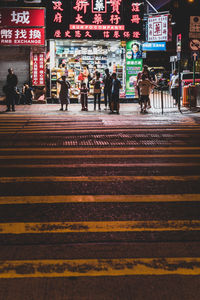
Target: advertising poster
(134, 64)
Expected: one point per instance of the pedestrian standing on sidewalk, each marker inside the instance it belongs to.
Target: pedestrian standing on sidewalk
(146, 72)
(84, 96)
(10, 90)
(107, 80)
(174, 85)
(64, 92)
(144, 85)
(116, 86)
(97, 90)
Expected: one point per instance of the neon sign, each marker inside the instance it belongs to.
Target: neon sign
(95, 19)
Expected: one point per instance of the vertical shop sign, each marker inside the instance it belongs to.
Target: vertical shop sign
(38, 69)
(158, 28)
(134, 64)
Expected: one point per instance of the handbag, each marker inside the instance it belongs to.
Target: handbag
(80, 77)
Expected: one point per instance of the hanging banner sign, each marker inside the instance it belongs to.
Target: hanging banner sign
(134, 64)
(21, 17)
(19, 36)
(158, 28)
(95, 19)
(38, 69)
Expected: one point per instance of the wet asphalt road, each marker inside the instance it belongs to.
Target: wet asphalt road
(99, 208)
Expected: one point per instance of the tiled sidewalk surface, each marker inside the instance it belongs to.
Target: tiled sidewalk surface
(75, 109)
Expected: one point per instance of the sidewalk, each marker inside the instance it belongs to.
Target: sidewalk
(75, 109)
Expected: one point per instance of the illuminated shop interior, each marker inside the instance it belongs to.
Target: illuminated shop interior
(70, 56)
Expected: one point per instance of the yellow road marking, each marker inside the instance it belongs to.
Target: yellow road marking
(100, 165)
(100, 267)
(66, 149)
(99, 226)
(102, 129)
(99, 198)
(59, 156)
(96, 178)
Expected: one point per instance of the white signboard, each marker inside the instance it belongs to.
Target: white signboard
(158, 28)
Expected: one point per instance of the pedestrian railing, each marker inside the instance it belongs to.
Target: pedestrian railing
(161, 99)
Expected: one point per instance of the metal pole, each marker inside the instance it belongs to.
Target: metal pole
(194, 70)
(179, 86)
(162, 100)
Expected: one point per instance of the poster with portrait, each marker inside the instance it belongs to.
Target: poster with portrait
(134, 64)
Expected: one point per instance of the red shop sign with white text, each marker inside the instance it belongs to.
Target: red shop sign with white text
(38, 69)
(22, 36)
(21, 17)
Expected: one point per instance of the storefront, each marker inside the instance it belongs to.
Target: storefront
(72, 56)
(22, 46)
(90, 33)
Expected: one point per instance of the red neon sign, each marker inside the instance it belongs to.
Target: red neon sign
(112, 19)
(21, 17)
(38, 69)
(96, 27)
(22, 36)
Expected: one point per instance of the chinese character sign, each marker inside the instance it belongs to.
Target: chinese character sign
(22, 36)
(95, 19)
(38, 69)
(158, 28)
(21, 17)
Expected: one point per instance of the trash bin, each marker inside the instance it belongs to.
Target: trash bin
(198, 94)
(190, 96)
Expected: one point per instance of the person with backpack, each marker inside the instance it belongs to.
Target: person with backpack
(144, 85)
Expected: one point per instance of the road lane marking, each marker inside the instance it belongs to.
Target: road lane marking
(100, 267)
(66, 149)
(96, 178)
(99, 226)
(60, 156)
(99, 198)
(96, 130)
(99, 165)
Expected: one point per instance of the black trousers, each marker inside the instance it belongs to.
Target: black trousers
(10, 99)
(107, 96)
(175, 94)
(97, 96)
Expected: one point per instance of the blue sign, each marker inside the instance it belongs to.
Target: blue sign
(156, 46)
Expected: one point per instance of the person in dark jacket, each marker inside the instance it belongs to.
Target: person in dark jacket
(64, 92)
(11, 85)
(28, 93)
(107, 80)
(116, 86)
(97, 90)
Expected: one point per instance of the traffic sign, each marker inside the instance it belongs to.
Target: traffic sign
(195, 56)
(195, 44)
